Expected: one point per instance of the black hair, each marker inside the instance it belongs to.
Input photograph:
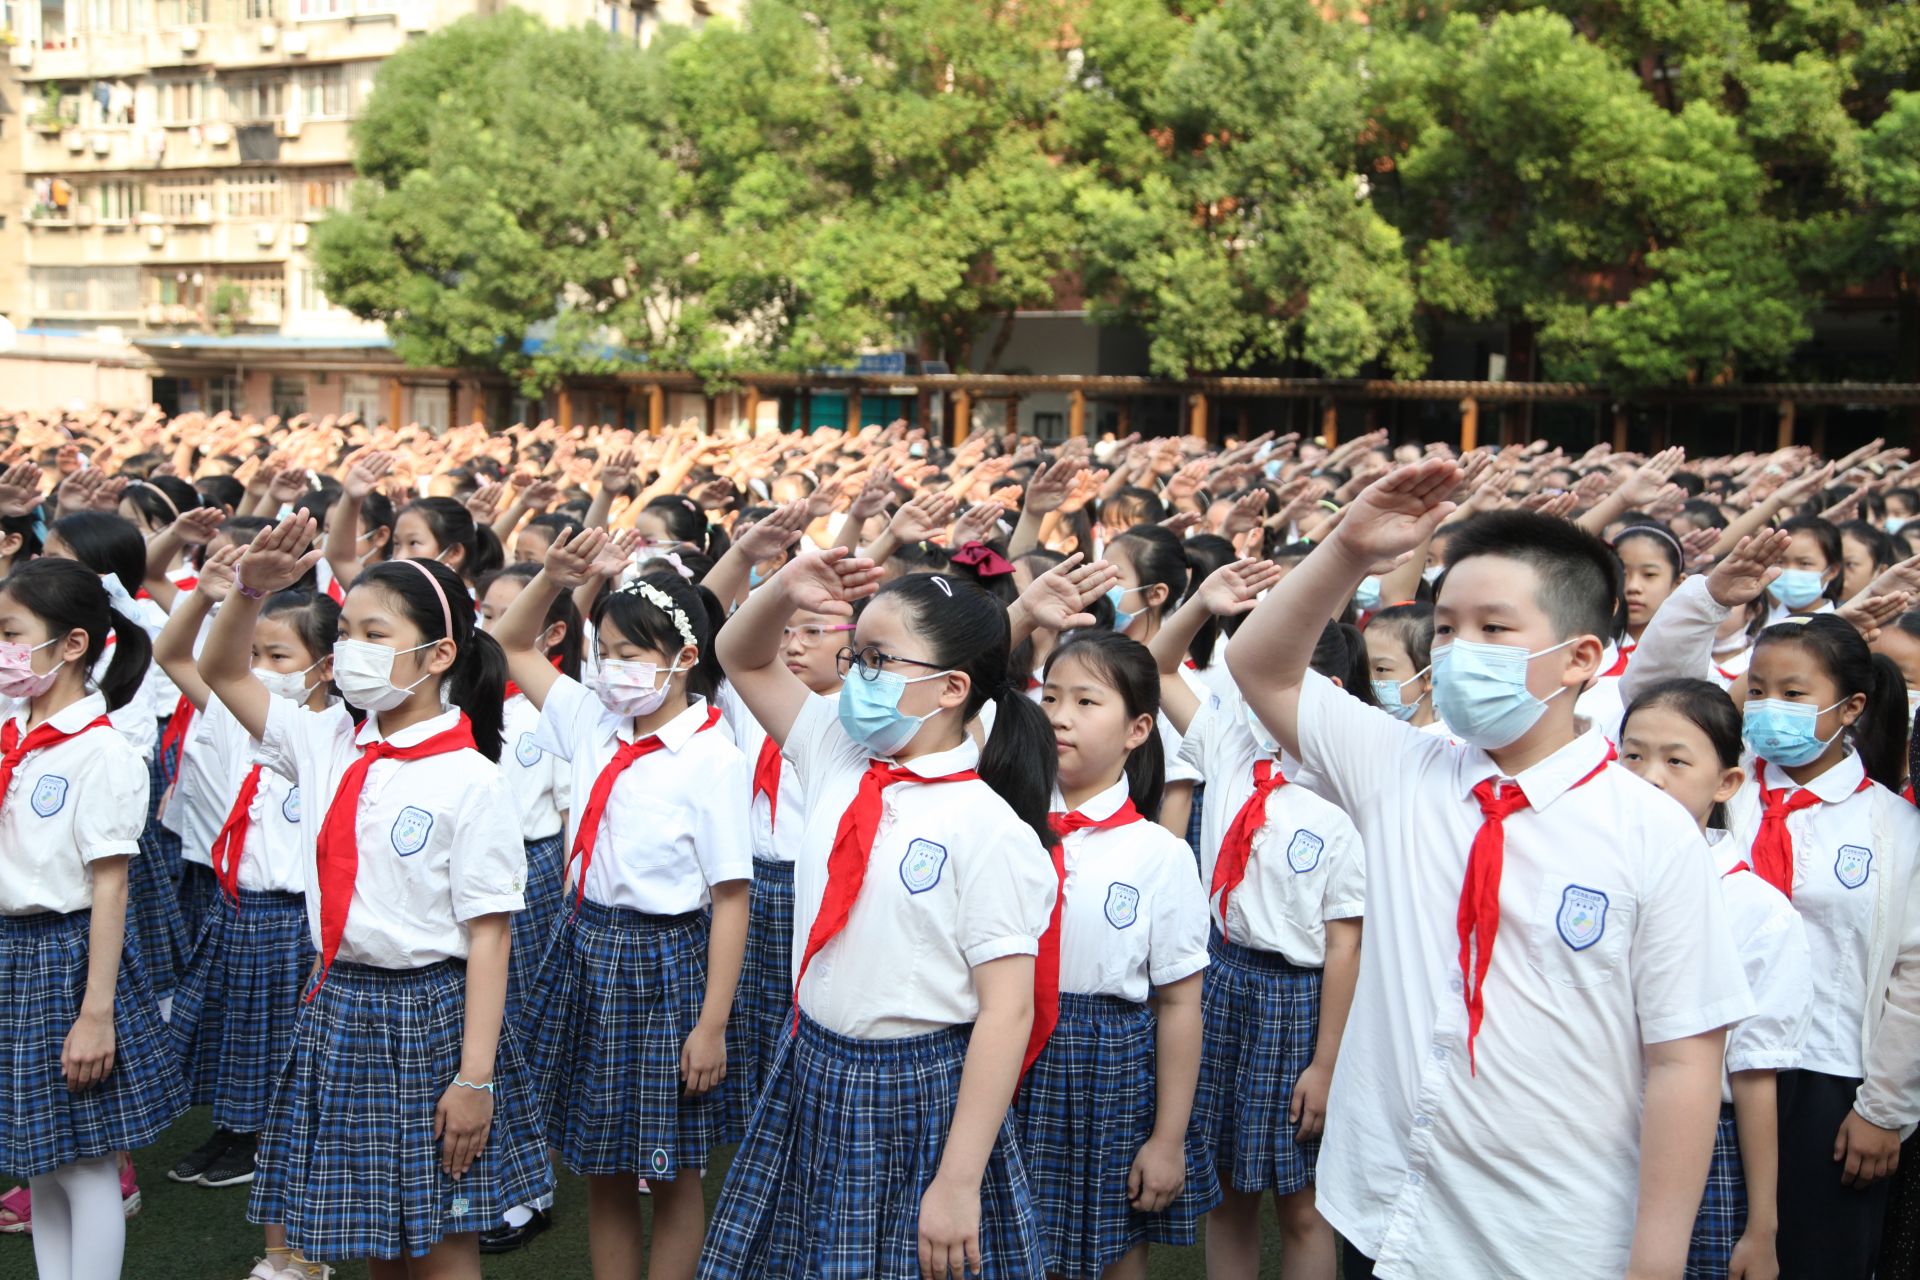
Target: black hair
(1705, 514)
(244, 529)
(1875, 539)
(1341, 654)
(1128, 669)
(1828, 537)
(1578, 575)
(221, 491)
(29, 527)
(1660, 536)
(452, 525)
(67, 596)
(315, 618)
(1157, 557)
(376, 512)
(1133, 506)
(572, 645)
(999, 585)
(688, 523)
(161, 499)
(1206, 554)
(965, 630)
(106, 543)
(556, 525)
(477, 681)
(920, 557)
(1880, 733)
(1412, 625)
(1709, 708)
(646, 624)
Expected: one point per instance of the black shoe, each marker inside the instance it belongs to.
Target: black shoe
(505, 1239)
(234, 1166)
(195, 1162)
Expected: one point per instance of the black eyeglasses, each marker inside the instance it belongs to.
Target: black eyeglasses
(872, 660)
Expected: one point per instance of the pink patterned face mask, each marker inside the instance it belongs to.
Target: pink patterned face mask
(18, 679)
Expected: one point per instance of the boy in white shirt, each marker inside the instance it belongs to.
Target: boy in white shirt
(1546, 1106)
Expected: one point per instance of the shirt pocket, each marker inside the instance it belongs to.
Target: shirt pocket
(1579, 933)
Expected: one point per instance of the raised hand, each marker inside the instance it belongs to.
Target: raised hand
(1642, 488)
(1184, 484)
(773, 533)
(1748, 569)
(197, 526)
(923, 518)
(365, 475)
(1399, 511)
(1249, 511)
(978, 524)
(715, 495)
(280, 556)
(541, 495)
(1057, 600)
(1697, 548)
(828, 581)
(873, 496)
(289, 485)
(217, 572)
(616, 474)
(484, 503)
(20, 489)
(1235, 588)
(571, 561)
(1869, 613)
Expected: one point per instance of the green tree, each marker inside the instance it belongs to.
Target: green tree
(1222, 209)
(521, 208)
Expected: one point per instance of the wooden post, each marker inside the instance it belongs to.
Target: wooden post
(1123, 425)
(1783, 436)
(566, 407)
(708, 408)
(1469, 424)
(1197, 418)
(656, 408)
(962, 416)
(396, 400)
(753, 409)
(853, 411)
(1819, 439)
(1077, 414)
(1620, 417)
(1329, 423)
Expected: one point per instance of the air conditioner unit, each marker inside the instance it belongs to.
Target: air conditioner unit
(190, 40)
(156, 313)
(156, 236)
(23, 55)
(203, 211)
(219, 134)
(147, 219)
(268, 34)
(102, 143)
(266, 233)
(83, 215)
(299, 234)
(288, 128)
(75, 140)
(294, 43)
(415, 15)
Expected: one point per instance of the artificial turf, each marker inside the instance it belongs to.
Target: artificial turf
(193, 1233)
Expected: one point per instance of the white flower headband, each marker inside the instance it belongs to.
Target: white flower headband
(664, 603)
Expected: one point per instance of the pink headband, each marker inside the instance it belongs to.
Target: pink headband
(446, 614)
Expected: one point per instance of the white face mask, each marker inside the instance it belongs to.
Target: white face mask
(291, 685)
(364, 672)
(627, 688)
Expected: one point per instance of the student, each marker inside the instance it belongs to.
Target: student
(1103, 1116)
(442, 529)
(1399, 655)
(1866, 553)
(233, 1018)
(1286, 883)
(1825, 723)
(85, 1060)
(1809, 580)
(417, 867)
(630, 1009)
(1900, 641)
(1683, 736)
(921, 892)
(1651, 566)
(1586, 1047)
(1154, 577)
(360, 526)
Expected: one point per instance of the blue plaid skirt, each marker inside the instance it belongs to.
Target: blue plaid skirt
(533, 927)
(763, 1003)
(348, 1162)
(845, 1141)
(199, 887)
(1082, 1114)
(1723, 1209)
(613, 1006)
(1193, 820)
(1261, 1016)
(234, 1014)
(43, 971)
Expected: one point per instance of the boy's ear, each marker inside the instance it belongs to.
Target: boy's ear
(1583, 665)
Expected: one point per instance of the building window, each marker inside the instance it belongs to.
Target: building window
(181, 13)
(257, 100)
(183, 199)
(361, 394)
(253, 195)
(86, 291)
(265, 292)
(223, 394)
(259, 10)
(314, 9)
(181, 101)
(324, 94)
(321, 192)
(289, 396)
(119, 201)
(109, 17)
(179, 289)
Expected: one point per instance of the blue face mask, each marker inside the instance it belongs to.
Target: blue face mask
(1896, 523)
(870, 710)
(754, 577)
(1267, 743)
(1121, 618)
(1784, 733)
(1480, 690)
(1367, 597)
(1387, 694)
(1797, 588)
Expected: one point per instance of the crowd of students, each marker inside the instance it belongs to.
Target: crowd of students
(1018, 854)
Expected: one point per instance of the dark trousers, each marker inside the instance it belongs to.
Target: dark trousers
(1827, 1231)
(1354, 1265)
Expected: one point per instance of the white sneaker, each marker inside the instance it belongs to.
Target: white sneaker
(305, 1271)
(263, 1270)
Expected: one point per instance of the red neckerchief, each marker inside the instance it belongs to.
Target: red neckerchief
(1046, 966)
(1772, 851)
(589, 830)
(175, 737)
(14, 748)
(851, 851)
(1478, 918)
(232, 840)
(337, 851)
(513, 690)
(766, 777)
(1236, 847)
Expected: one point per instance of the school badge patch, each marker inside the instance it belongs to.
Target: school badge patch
(659, 1163)
(290, 807)
(1852, 864)
(1303, 854)
(921, 866)
(410, 831)
(1123, 904)
(1583, 916)
(525, 752)
(49, 794)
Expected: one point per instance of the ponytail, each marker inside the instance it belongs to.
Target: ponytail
(706, 676)
(133, 650)
(1341, 655)
(1021, 737)
(477, 681)
(477, 684)
(1880, 734)
(1206, 553)
(68, 596)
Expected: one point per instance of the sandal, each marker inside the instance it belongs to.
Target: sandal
(129, 1189)
(16, 1212)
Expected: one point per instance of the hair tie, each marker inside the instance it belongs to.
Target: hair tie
(162, 494)
(117, 594)
(40, 523)
(446, 613)
(983, 560)
(664, 603)
(1658, 531)
(673, 559)
(940, 581)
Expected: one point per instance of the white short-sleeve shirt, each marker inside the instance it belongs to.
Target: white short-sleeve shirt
(776, 826)
(1773, 951)
(439, 839)
(68, 806)
(275, 855)
(197, 803)
(1613, 935)
(1134, 916)
(955, 880)
(674, 823)
(540, 780)
(1307, 865)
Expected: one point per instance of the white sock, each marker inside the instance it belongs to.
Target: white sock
(518, 1216)
(544, 1202)
(52, 1229)
(99, 1224)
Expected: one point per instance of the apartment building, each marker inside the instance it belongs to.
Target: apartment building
(162, 163)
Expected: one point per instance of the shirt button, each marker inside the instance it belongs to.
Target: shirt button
(1439, 1055)
(1422, 1122)
(1414, 1179)
(1455, 985)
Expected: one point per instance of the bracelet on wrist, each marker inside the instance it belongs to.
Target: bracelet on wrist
(486, 1088)
(246, 590)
